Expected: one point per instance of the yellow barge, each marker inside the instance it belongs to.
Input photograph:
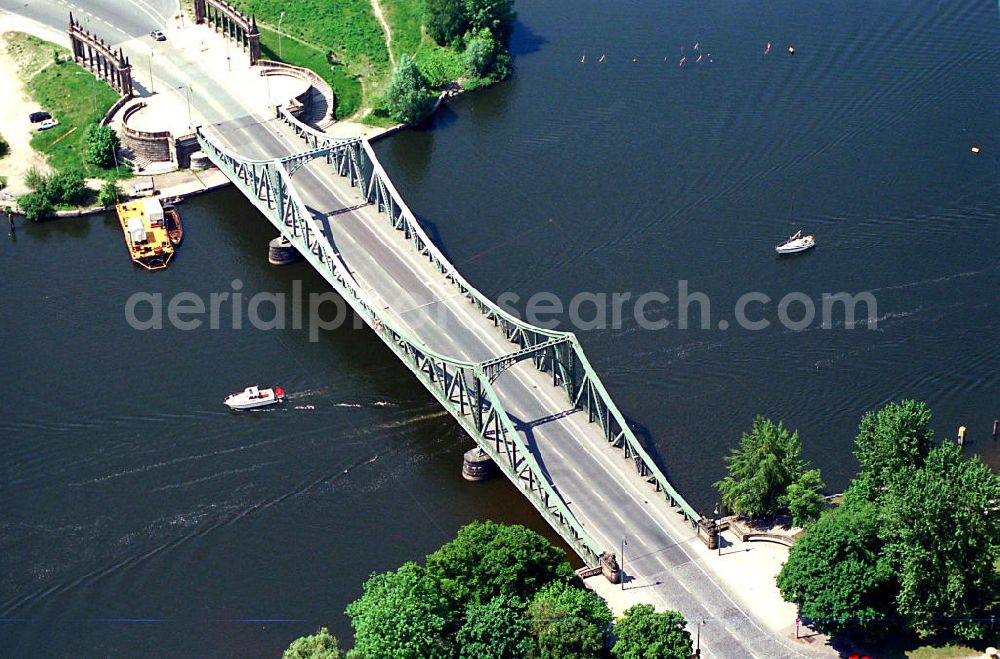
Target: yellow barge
(146, 232)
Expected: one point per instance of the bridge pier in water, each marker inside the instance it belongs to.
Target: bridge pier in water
(510, 372)
(477, 465)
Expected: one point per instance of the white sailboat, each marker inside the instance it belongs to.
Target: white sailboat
(796, 243)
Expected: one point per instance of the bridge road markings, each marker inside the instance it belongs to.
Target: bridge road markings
(444, 296)
(587, 451)
(656, 522)
(309, 192)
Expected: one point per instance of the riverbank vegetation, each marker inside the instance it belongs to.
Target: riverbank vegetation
(62, 189)
(913, 550)
(495, 591)
(767, 474)
(461, 41)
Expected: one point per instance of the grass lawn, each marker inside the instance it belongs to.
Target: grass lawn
(346, 88)
(405, 18)
(70, 93)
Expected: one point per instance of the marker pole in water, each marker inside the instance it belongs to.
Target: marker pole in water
(996, 429)
(961, 435)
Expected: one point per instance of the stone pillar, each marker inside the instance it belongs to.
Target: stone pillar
(254, 42)
(610, 569)
(708, 531)
(477, 465)
(126, 71)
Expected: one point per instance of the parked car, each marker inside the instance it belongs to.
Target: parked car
(47, 124)
(41, 115)
(158, 35)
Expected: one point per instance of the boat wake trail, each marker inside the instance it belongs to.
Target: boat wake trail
(18, 602)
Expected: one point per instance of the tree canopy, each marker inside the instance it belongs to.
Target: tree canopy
(892, 438)
(942, 533)
(102, 144)
(402, 613)
(320, 645)
(836, 574)
(110, 193)
(497, 16)
(488, 559)
(804, 498)
(408, 97)
(495, 630)
(645, 634)
(569, 621)
(34, 205)
(445, 20)
(916, 543)
(767, 460)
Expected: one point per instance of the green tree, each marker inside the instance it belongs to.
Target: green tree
(320, 645)
(34, 205)
(888, 441)
(495, 630)
(570, 638)
(480, 51)
(562, 600)
(110, 193)
(66, 187)
(487, 559)
(804, 498)
(942, 533)
(408, 98)
(445, 20)
(836, 573)
(497, 16)
(102, 144)
(4, 147)
(403, 614)
(645, 634)
(761, 468)
(34, 179)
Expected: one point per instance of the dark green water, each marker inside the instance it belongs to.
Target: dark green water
(138, 517)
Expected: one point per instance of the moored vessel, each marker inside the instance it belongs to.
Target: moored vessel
(146, 236)
(175, 230)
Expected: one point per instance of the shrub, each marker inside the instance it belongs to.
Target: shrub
(34, 179)
(34, 205)
(408, 98)
(479, 54)
(102, 144)
(439, 65)
(4, 147)
(109, 194)
(66, 187)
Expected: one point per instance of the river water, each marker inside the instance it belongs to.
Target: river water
(139, 517)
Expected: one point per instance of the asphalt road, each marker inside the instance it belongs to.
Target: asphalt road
(597, 484)
(113, 20)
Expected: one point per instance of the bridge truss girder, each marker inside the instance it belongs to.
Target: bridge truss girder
(464, 389)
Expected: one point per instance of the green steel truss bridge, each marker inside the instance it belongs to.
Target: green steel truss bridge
(467, 389)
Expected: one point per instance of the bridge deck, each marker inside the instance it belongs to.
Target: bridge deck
(600, 488)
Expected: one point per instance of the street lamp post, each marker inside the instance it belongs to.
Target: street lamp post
(151, 89)
(280, 18)
(718, 530)
(621, 568)
(697, 649)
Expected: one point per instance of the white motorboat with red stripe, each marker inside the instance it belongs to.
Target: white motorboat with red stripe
(253, 397)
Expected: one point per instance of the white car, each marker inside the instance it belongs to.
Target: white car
(48, 123)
